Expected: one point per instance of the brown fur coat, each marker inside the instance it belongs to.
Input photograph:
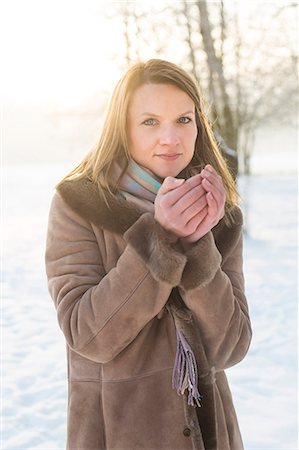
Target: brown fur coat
(119, 281)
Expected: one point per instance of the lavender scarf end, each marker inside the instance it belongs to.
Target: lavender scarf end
(185, 375)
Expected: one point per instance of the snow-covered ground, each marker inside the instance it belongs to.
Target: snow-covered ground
(33, 377)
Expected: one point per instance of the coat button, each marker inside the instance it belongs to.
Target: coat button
(186, 432)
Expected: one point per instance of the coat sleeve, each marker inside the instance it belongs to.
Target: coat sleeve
(212, 286)
(101, 313)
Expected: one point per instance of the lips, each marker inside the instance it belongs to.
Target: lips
(169, 156)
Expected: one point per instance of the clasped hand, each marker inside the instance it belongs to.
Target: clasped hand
(190, 208)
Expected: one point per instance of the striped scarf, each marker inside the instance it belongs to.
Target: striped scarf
(141, 186)
(139, 182)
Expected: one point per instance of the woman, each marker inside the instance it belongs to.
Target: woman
(144, 261)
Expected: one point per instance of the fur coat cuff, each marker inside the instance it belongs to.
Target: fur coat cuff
(159, 249)
(203, 261)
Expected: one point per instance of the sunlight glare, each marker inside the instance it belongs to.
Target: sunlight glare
(56, 51)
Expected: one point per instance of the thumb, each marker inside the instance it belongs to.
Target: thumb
(169, 184)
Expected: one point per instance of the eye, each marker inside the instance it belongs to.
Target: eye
(149, 122)
(184, 120)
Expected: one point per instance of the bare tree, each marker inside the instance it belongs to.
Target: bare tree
(250, 95)
(267, 92)
(189, 39)
(218, 80)
(221, 113)
(242, 91)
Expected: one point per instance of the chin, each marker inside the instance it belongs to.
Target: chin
(169, 169)
(167, 173)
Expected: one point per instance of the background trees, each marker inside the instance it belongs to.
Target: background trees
(246, 63)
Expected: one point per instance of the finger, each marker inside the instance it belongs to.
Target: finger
(212, 204)
(195, 222)
(213, 177)
(189, 184)
(211, 169)
(189, 199)
(169, 184)
(175, 194)
(210, 219)
(218, 192)
(194, 209)
(213, 183)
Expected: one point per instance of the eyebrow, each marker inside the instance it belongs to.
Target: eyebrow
(157, 115)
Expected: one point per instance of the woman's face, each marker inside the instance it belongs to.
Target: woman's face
(162, 128)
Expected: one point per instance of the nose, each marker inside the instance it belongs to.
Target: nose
(169, 136)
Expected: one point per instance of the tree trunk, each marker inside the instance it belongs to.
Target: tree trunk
(246, 147)
(189, 39)
(217, 79)
(126, 18)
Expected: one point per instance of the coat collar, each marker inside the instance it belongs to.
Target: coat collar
(119, 215)
(84, 198)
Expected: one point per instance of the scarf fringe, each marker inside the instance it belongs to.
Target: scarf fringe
(185, 374)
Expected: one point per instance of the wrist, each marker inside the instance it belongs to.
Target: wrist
(187, 242)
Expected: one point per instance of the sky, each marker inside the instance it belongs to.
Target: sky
(56, 51)
(59, 51)
(61, 59)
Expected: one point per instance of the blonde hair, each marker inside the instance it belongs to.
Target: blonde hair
(113, 143)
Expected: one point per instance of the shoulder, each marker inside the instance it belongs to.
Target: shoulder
(232, 220)
(228, 232)
(62, 215)
(100, 208)
(80, 195)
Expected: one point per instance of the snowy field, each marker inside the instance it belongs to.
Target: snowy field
(33, 377)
